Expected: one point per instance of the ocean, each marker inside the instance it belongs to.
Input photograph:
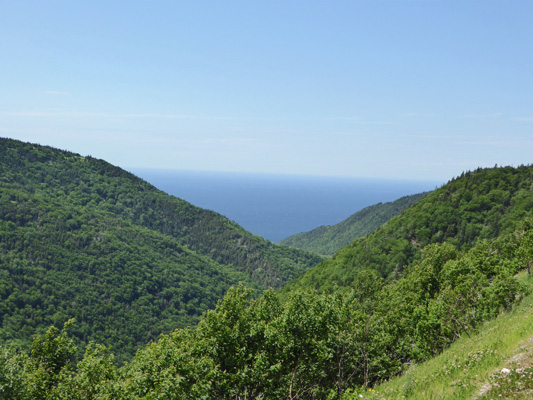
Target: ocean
(278, 206)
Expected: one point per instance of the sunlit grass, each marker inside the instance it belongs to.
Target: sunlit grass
(471, 367)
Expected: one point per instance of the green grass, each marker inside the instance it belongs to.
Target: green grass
(471, 367)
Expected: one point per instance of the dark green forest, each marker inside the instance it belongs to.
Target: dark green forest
(80, 238)
(328, 239)
(96, 261)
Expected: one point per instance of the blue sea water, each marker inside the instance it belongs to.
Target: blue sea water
(278, 206)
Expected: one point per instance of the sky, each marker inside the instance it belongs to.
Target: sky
(402, 89)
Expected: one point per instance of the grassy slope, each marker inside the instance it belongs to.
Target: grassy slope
(471, 367)
(328, 239)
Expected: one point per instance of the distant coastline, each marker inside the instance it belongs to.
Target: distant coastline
(278, 206)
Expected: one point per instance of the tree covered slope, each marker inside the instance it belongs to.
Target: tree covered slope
(477, 205)
(312, 346)
(470, 241)
(82, 238)
(329, 239)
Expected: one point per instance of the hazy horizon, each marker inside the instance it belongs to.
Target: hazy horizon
(277, 206)
(396, 89)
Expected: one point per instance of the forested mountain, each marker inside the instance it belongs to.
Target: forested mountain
(478, 205)
(311, 346)
(82, 238)
(329, 239)
(444, 267)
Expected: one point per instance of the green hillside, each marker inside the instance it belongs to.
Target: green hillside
(471, 263)
(82, 238)
(475, 206)
(336, 346)
(495, 363)
(329, 239)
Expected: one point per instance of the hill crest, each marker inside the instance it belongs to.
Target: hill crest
(328, 239)
(83, 238)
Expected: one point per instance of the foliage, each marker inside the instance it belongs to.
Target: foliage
(80, 238)
(93, 375)
(328, 240)
(472, 367)
(403, 295)
(476, 206)
(12, 377)
(310, 346)
(51, 357)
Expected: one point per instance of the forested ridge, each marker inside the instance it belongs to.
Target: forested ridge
(477, 205)
(329, 239)
(81, 238)
(398, 296)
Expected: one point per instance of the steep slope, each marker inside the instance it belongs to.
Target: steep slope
(317, 345)
(82, 238)
(330, 238)
(472, 367)
(313, 346)
(477, 205)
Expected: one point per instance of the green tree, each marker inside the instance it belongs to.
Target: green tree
(51, 356)
(525, 251)
(12, 375)
(174, 368)
(93, 376)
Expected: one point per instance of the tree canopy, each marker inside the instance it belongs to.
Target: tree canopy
(81, 238)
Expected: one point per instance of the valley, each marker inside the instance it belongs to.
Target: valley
(111, 288)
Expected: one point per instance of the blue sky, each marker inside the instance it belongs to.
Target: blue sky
(399, 89)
